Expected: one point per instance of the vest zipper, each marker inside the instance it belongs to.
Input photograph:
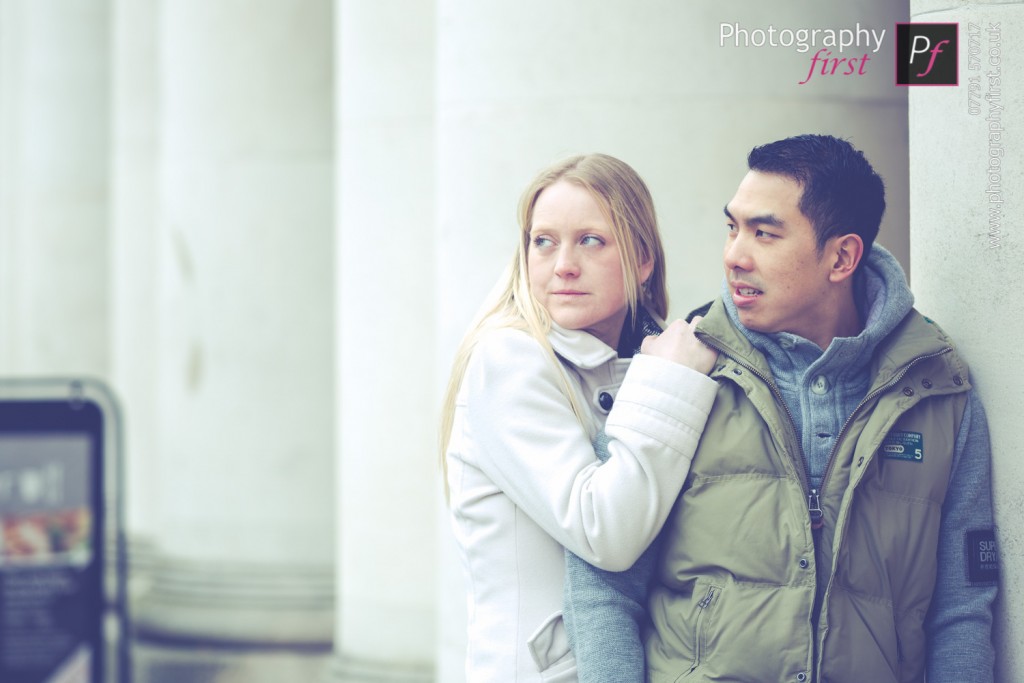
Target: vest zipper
(814, 509)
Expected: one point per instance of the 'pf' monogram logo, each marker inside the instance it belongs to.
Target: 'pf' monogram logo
(927, 54)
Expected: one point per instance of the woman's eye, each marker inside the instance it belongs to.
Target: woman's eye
(541, 241)
(591, 240)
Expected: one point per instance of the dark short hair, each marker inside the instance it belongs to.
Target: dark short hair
(842, 194)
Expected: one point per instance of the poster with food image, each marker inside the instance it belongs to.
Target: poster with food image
(45, 512)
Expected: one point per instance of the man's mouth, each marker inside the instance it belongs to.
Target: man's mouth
(743, 295)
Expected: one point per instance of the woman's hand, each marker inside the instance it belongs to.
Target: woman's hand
(679, 344)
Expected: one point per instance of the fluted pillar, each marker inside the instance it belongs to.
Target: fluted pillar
(387, 394)
(966, 172)
(54, 156)
(244, 316)
(521, 84)
(135, 342)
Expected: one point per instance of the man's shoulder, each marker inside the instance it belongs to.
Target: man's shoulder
(921, 333)
(700, 310)
(920, 342)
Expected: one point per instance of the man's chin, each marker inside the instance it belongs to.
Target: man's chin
(753, 322)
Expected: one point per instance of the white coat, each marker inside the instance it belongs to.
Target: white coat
(525, 483)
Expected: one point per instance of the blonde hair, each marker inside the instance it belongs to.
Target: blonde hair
(624, 198)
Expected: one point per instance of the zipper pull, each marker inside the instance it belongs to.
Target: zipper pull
(814, 509)
(707, 598)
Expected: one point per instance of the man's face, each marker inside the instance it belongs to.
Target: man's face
(777, 279)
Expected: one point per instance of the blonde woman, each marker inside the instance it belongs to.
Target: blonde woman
(547, 375)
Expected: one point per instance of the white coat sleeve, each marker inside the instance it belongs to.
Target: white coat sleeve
(533, 447)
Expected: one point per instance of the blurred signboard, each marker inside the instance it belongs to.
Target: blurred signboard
(61, 545)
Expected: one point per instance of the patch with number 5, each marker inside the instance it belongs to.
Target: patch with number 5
(903, 446)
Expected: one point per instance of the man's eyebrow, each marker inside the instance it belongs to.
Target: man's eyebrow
(768, 219)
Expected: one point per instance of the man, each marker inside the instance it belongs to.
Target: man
(837, 521)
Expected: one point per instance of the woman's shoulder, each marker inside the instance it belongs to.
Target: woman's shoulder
(505, 346)
(506, 366)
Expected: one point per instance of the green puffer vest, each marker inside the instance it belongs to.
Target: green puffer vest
(734, 596)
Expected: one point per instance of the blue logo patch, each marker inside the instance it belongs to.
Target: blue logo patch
(903, 446)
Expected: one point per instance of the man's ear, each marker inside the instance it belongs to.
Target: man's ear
(846, 252)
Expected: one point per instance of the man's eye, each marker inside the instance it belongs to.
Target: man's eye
(762, 233)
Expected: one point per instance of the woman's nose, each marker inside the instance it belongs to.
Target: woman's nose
(567, 264)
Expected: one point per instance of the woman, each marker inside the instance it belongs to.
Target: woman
(539, 379)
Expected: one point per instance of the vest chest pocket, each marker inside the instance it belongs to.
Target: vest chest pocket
(705, 610)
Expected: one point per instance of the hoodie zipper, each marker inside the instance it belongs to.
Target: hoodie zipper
(814, 510)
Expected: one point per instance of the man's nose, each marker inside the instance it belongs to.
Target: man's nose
(737, 253)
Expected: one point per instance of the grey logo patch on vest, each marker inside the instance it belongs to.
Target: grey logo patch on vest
(907, 446)
(982, 557)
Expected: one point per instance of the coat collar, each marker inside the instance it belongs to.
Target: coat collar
(586, 351)
(580, 348)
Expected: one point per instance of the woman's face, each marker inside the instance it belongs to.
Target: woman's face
(573, 261)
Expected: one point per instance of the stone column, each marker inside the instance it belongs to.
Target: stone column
(521, 84)
(134, 301)
(967, 175)
(244, 318)
(54, 156)
(387, 394)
